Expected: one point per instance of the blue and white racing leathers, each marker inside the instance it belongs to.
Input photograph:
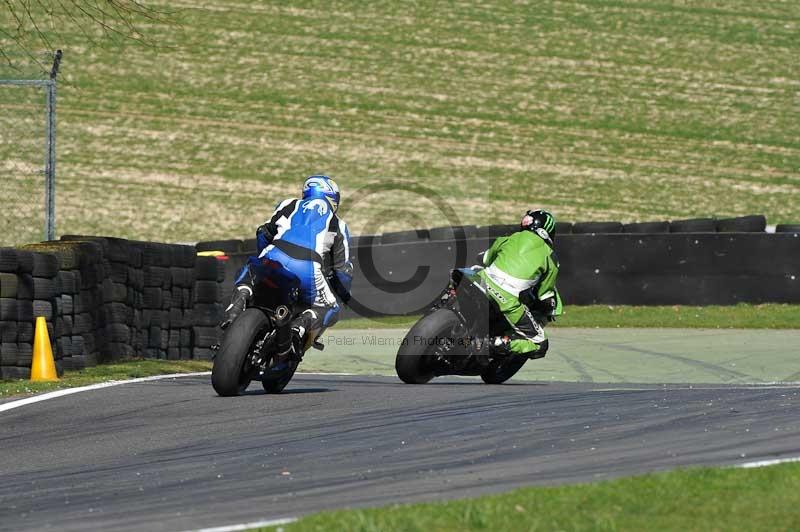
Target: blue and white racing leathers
(306, 238)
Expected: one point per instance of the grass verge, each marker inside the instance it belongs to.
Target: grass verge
(694, 499)
(628, 111)
(105, 372)
(742, 316)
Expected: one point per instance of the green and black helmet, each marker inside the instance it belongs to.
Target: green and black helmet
(540, 222)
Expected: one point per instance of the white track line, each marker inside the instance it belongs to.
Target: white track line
(765, 463)
(69, 391)
(248, 526)
(11, 405)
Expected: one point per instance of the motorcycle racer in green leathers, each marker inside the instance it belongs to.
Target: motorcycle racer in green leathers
(520, 276)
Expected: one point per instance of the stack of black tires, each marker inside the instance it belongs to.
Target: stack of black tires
(208, 306)
(106, 299)
(78, 298)
(31, 285)
(17, 289)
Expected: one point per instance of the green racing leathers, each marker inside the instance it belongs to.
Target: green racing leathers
(515, 264)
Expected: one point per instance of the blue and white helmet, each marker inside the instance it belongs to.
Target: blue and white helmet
(323, 187)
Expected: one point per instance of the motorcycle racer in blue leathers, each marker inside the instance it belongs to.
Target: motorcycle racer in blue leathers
(306, 240)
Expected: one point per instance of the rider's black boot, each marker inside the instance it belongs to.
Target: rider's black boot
(241, 296)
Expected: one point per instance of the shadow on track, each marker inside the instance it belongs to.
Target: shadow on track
(291, 391)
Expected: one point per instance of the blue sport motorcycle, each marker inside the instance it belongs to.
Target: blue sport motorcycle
(249, 348)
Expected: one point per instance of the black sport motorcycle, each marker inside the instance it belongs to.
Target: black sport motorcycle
(454, 336)
(249, 348)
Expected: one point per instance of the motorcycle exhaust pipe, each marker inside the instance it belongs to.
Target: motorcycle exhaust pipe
(282, 315)
(283, 333)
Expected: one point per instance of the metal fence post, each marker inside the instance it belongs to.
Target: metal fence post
(50, 160)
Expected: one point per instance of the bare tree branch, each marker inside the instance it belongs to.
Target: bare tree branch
(35, 24)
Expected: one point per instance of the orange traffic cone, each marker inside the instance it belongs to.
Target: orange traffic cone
(43, 367)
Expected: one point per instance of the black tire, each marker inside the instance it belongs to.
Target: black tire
(43, 265)
(74, 362)
(209, 269)
(8, 260)
(693, 225)
(25, 286)
(13, 372)
(155, 276)
(176, 320)
(68, 282)
(24, 355)
(755, 223)
(114, 292)
(500, 372)
(226, 375)
(8, 285)
(399, 237)
(117, 332)
(118, 272)
(67, 305)
(25, 332)
(42, 308)
(646, 227)
(207, 315)
(185, 339)
(174, 338)
(178, 276)
(205, 336)
(413, 361)
(208, 292)
(456, 232)
(8, 353)
(563, 228)
(25, 262)
(8, 333)
(202, 353)
(117, 313)
(787, 228)
(585, 228)
(154, 336)
(152, 297)
(277, 385)
(497, 230)
(44, 288)
(9, 309)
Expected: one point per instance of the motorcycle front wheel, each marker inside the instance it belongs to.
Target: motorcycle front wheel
(228, 375)
(415, 361)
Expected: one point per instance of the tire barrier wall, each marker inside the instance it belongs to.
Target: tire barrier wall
(619, 269)
(755, 223)
(106, 299)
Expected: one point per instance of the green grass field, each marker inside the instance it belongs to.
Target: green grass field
(694, 499)
(743, 316)
(130, 369)
(596, 109)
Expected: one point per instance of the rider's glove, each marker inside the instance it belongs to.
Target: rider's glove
(502, 345)
(264, 236)
(341, 282)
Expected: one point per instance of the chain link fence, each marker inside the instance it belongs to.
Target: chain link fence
(27, 148)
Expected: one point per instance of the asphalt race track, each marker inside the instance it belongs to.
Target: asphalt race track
(171, 455)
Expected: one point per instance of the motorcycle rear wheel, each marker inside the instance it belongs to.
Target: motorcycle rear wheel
(500, 371)
(277, 385)
(414, 363)
(227, 375)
